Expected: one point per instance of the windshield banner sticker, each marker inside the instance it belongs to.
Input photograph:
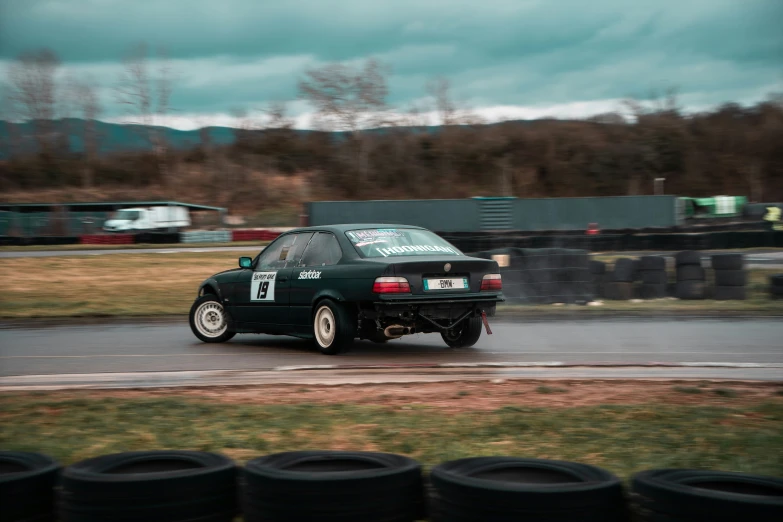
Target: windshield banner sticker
(369, 235)
(385, 252)
(262, 286)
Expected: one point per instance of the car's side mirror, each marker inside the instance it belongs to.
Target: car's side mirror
(245, 262)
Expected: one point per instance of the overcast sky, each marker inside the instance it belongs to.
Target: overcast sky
(505, 58)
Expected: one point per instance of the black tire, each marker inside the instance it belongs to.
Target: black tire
(654, 277)
(687, 257)
(690, 290)
(27, 482)
(207, 317)
(691, 273)
(728, 262)
(776, 280)
(596, 267)
(652, 263)
(619, 291)
(717, 496)
(333, 486)
(730, 293)
(507, 489)
(652, 291)
(465, 335)
(776, 292)
(623, 270)
(154, 486)
(731, 277)
(337, 328)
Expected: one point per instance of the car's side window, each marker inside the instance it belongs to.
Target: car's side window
(274, 256)
(323, 250)
(296, 250)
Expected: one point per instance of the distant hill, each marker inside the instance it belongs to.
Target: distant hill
(118, 137)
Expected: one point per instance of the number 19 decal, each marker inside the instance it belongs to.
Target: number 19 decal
(262, 286)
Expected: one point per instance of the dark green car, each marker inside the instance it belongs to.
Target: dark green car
(338, 283)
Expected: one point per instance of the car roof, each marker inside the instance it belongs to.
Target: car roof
(353, 226)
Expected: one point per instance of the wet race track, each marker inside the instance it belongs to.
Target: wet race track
(697, 348)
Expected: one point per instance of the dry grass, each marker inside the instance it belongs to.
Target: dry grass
(112, 285)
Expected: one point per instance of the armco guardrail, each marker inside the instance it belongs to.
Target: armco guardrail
(176, 485)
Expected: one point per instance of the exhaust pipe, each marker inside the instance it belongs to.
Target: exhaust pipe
(394, 331)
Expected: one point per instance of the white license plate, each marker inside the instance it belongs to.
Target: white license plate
(449, 283)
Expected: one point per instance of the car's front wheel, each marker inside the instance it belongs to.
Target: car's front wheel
(465, 335)
(333, 328)
(209, 321)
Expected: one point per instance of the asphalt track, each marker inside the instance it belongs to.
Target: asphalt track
(167, 353)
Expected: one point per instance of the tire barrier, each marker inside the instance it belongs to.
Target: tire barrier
(682, 495)
(653, 277)
(205, 236)
(731, 277)
(107, 239)
(149, 486)
(253, 235)
(508, 488)
(776, 286)
(333, 486)
(691, 276)
(598, 276)
(27, 486)
(543, 276)
(626, 242)
(196, 486)
(157, 238)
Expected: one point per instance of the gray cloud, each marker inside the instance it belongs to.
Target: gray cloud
(497, 52)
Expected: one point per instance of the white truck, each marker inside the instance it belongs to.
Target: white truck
(150, 218)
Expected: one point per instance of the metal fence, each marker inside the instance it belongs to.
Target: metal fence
(489, 214)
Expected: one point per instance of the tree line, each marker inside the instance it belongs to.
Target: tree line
(363, 148)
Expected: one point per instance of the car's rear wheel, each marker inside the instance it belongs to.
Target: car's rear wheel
(333, 329)
(464, 335)
(209, 321)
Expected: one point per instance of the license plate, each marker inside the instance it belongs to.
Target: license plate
(449, 283)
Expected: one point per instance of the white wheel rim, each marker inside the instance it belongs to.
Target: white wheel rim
(211, 319)
(324, 327)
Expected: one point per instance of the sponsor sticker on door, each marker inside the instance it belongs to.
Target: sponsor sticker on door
(446, 283)
(262, 286)
(310, 274)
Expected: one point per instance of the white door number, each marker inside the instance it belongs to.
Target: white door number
(262, 286)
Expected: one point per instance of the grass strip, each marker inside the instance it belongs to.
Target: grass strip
(622, 438)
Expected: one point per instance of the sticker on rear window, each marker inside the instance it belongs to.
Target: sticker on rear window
(385, 252)
(262, 286)
(369, 235)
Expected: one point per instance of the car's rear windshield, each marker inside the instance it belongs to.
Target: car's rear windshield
(387, 242)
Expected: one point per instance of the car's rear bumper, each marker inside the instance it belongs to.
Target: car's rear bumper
(416, 300)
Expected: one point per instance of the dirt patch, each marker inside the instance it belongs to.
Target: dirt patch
(474, 395)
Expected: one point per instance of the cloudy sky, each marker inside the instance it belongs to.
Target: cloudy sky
(505, 58)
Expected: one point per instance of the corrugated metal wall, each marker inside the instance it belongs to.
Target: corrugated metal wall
(485, 214)
(447, 215)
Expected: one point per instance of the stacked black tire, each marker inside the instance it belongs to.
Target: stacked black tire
(620, 286)
(598, 276)
(332, 486)
(731, 277)
(652, 273)
(150, 486)
(691, 276)
(27, 482)
(683, 495)
(776, 286)
(506, 489)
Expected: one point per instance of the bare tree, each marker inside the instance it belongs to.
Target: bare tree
(83, 97)
(440, 90)
(145, 91)
(32, 94)
(349, 99)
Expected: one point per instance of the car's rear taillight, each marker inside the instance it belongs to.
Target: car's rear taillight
(491, 282)
(391, 285)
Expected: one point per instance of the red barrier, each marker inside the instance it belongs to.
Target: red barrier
(253, 235)
(106, 239)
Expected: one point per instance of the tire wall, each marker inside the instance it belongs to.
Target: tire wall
(179, 486)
